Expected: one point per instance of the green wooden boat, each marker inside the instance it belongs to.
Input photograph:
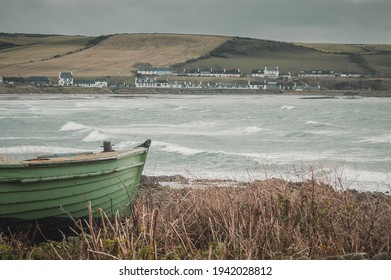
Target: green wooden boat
(51, 189)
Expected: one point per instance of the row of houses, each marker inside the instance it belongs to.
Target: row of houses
(235, 73)
(155, 71)
(146, 82)
(271, 72)
(64, 79)
(327, 74)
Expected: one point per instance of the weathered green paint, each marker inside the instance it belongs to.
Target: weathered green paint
(63, 186)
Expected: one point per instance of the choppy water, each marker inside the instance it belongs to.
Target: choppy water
(215, 136)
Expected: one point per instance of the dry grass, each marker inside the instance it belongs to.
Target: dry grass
(35, 50)
(271, 219)
(112, 57)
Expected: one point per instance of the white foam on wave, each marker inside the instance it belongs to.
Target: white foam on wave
(180, 108)
(378, 139)
(34, 110)
(125, 144)
(73, 126)
(174, 148)
(363, 180)
(95, 136)
(252, 129)
(315, 123)
(254, 156)
(200, 124)
(287, 107)
(239, 131)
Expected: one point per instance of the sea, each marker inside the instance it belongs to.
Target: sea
(342, 141)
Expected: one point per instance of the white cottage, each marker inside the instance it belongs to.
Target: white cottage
(350, 75)
(317, 73)
(145, 82)
(272, 72)
(258, 73)
(257, 85)
(154, 71)
(65, 79)
(84, 83)
(100, 82)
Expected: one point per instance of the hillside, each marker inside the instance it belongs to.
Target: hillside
(247, 54)
(114, 55)
(118, 55)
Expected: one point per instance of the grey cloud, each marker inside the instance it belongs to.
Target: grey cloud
(351, 21)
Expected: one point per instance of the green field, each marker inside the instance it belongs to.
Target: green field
(119, 55)
(248, 54)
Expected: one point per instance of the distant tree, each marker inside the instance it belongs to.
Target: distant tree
(141, 65)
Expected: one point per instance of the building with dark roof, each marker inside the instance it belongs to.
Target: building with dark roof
(38, 81)
(65, 79)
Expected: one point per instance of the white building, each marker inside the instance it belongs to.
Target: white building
(65, 79)
(272, 85)
(98, 83)
(151, 83)
(84, 83)
(154, 71)
(286, 76)
(162, 84)
(192, 85)
(213, 72)
(350, 75)
(232, 73)
(317, 73)
(176, 84)
(144, 82)
(258, 73)
(272, 72)
(257, 85)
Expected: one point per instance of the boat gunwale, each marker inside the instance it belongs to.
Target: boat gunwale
(80, 158)
(68, 177)
(80, 184)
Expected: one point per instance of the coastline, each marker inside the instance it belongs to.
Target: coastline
(126, 92)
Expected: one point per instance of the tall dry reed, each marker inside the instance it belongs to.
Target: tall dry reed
(271, 219)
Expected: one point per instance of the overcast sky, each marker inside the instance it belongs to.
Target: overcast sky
(339, 21)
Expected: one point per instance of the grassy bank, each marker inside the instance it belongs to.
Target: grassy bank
(271, 219)
(126, 92)
(26, 89)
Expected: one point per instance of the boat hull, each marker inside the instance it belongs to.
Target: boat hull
(57, 189)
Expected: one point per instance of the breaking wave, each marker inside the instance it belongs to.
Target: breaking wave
(287, 107)
(95, 136)
(315, 123)
(73, 126)
(174, 148)
(379, 139)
